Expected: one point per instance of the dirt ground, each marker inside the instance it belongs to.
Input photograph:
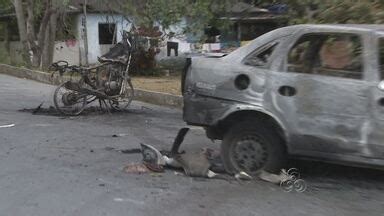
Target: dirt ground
(169, 84)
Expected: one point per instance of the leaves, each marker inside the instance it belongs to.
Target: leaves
(336, 11)
(170, 12)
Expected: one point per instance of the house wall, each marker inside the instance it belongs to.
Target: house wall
(67, 51)
(64, 50)
(72, 50)
(94, 48)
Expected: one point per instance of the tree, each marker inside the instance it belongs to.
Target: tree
(22, 28)
(205, 12)
(5, 8)
(332, 11)
(38, 43)
(166, 13)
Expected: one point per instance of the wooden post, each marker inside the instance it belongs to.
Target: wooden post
(239, 32)
(85, 31)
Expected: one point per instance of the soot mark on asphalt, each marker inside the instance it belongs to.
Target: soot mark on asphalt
(124, 151)
(92, 110)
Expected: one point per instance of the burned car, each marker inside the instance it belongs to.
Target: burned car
(311, 91)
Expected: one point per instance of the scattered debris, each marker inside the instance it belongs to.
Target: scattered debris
(193, 164)
(137, 202)
(178, 173)
(211, 174)
(274, 178)
(51, 111)
(131, 151)
(214, 157)
(136, 168)
(156, 175)
(119, 135)
(109, 148)
(152, 158)
(7, 126)
(243, 176)
(124, 151)
(206, 163)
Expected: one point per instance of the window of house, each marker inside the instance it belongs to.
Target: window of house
(262, 57)
(338, 55)
(107, 33)
(381, 58)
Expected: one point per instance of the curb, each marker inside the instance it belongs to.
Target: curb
(152, 97)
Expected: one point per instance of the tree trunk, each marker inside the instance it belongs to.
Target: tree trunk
(52, 37)
(38, 45)
(45, 54)
(21, 24)
(49, 46)
(7, 43)
(37, 42)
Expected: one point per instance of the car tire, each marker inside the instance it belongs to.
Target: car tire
(252, 147)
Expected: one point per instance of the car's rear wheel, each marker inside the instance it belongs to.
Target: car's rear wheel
(251, 147)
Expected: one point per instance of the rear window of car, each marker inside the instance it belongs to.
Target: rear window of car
(261, 57)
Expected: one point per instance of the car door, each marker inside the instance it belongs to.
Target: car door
(322, 93)
(374, 131)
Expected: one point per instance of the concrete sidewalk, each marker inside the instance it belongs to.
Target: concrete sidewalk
(158, 98)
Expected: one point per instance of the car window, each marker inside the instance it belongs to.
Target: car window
(338, 55)
(381, 58)
(262, 56)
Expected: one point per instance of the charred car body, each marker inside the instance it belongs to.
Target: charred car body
(308, 90)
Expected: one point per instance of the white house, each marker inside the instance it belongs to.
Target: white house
(94, 33)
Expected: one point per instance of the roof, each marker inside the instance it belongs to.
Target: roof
(355, 27)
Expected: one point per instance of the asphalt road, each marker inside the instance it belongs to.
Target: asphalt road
(50, 165)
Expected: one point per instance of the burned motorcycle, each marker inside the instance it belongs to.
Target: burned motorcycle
(108, 82)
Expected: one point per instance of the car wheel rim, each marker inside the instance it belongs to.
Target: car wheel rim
(249, 154)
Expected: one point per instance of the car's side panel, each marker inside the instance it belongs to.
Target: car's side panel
(326, 114)
(333, 118)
